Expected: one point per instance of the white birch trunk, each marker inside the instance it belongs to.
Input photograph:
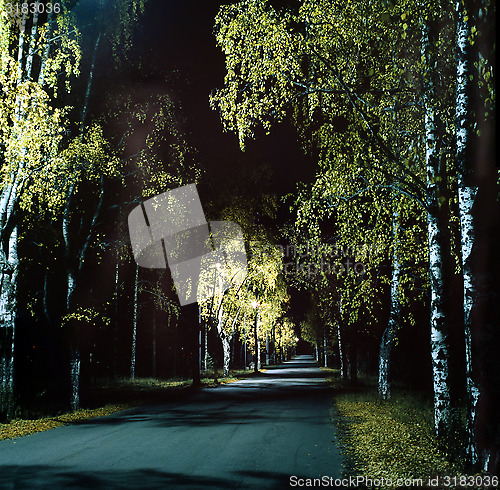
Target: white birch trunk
(8, 309)
(259, 365)
(439, 327)
(74, 361)
(245, 340)
(389, 335)
(31, 52)
(9, 260)
(267, 348)
(46, 50)
(467, 191)
(225, 339)
(71, 273)
(226, 347)
(134, 324)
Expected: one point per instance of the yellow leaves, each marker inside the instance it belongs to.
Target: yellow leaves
(24, 427)
(86, 316)
(392, 439)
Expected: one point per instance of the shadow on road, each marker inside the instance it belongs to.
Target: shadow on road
(299, 382)
(26, 477)
(234, 436)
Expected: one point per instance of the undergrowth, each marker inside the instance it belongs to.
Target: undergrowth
(391, 439)
(107, 397)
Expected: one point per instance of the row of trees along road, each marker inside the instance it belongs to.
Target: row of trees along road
(77, 152)
(395, 101)
(257, 304)
(55, 159)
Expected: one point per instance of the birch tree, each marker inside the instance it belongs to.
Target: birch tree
(341, 70)
(93, 160)
(389, 334)
(474, 99)
(38, 59)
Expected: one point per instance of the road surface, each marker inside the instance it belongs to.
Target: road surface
(255, 433)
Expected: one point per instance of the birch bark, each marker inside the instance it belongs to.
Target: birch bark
(434, 162)
(389, 335)
(9, 260)
(483, 451)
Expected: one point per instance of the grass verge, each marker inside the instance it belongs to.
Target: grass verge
(387, 439)
(24, 427)
(111, 396)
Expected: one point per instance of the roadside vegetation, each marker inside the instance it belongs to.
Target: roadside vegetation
(390, 439)
(112, 396)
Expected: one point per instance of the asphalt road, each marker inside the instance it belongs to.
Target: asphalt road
(254, 433)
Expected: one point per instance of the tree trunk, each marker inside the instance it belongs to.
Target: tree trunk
(115, 323)
(46, 51)
(475, 174)
(466, 198)
(205, 351)
(9, 260)
(75, 365)
(226, 348)
(31, 52)
(389, 335)
(192, 327)
(324, 349)
(256, 342)
(245, 341)
(226, 341)
(134, 323)
(434, 162)
(267, 348)
(8, 310)
(72, 270)
(245, 352)
(342, 356)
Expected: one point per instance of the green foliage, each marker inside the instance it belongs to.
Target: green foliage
(33, 74)
(354, 91)
(147, 132)
(86, 316)
(264, 283)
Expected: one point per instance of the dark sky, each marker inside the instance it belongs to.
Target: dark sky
(177, 35)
